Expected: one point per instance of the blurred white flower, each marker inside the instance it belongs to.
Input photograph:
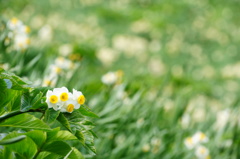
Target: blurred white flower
(107, 55)
(45, 33)
(190, 143)
(185, 120)
(64, 63)
(21, 42)
(202, 152)
(14, 24)
(65, 49)
(146, 148)
(222, 118)
(109, 78)
(200, 137)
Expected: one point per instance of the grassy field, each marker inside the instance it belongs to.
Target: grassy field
(174, 71)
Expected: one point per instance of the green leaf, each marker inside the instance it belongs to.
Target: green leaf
(25, 102)
(7, 153)
(25, 121)
(60, 135)
(51, 115)
(63, 120)
(80, 136)
(75, 154)
(39, 137)
(86, 112)
(16, 82)
(25, 148)
(57, 147)
(48, 155)
(13, 140)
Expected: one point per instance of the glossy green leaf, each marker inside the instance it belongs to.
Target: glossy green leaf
(57, 147)
(48, 155)
(38, 136)
(80, 136)
(75, 154)
(25, 148)
(86, 112)
(51, 115)
(63, 120)
(60, 135)
(25, 121)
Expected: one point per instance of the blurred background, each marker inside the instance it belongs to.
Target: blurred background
(157, 72)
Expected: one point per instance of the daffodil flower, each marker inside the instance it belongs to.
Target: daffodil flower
(53, 100)
(202, 152)
(78, 96)
(70, 105)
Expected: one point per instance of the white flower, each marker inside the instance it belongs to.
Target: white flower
(64, 63)
(14, 24)
(53, 100)
(65, 49)
(62, 93)
(109, 78)
(45, 33)
(78, 96)
(21, 41)
(23, 29)
(54, 69)
(200, 137)
(70, 105)
(190, 143)
(202, 152)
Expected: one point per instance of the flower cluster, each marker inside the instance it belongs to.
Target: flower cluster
(18, 34)
(111, 78)
(195, 142)
(63, 100)
(60, 66)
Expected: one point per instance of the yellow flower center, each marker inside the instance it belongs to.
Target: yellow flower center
(58, 70)
(202, 136)
(64, 96)
(27, 29)
(28, 41)
(47, 82)
(70, 108)
(189, 140)
(14, 20)
(81, 99)
(53, 99)
(202, 151)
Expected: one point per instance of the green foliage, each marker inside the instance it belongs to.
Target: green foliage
(38, 138)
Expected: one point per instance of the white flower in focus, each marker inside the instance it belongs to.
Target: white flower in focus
(62, 93)
(202, 152)
(21, 42)
(109, 78)
(70, 105)
(14, 24)
(78, 96)
(53, 100)
(200, 137)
